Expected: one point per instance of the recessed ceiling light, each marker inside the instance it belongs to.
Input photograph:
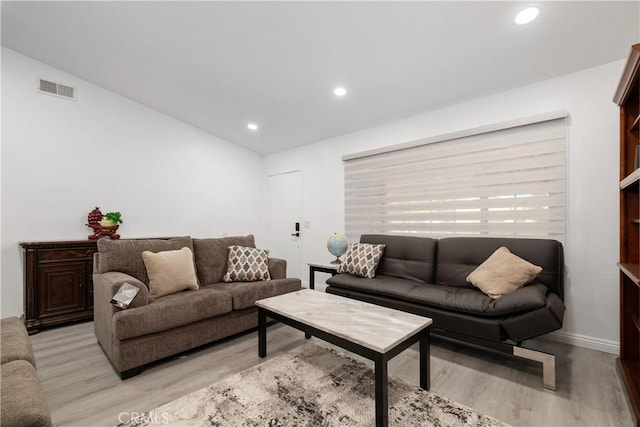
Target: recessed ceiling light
(340, 91)
(526, 15)
(252, 126)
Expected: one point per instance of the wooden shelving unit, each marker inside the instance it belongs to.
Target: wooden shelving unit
(635, 126)
(632, 271)
(630, 180)
(627, 97)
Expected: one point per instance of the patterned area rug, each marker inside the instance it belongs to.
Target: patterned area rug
(309, 386)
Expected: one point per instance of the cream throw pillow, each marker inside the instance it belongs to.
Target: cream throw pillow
(170, 271)
(502, 273)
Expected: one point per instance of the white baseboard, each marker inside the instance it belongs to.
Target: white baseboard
(585, 341)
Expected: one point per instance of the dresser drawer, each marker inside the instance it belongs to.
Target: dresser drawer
(65, 254)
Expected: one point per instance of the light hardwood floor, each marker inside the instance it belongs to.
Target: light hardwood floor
(83, 390)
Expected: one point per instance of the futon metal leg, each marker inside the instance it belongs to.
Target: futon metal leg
(382, 396)
(262, 333)
(548, 364)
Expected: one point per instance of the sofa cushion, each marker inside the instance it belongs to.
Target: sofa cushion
(170, 271)
(211, 256)
(16, 344)
(459, 256)
(502, 273)
(246, 264)
(407, 257)
(379, 285)
(171, 311)
(470, 301)
(444, 320)
(362, 259)
(23, 400)
(245, 294)
(126, 255)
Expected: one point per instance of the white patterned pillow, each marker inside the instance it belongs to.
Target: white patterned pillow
(247, 264)
(362, 259)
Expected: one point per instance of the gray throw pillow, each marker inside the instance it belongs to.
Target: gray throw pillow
(362, 259)
(247, 264)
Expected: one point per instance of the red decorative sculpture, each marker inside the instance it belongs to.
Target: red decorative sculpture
(93, 222)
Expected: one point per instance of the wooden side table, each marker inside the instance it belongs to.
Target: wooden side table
(323, 267)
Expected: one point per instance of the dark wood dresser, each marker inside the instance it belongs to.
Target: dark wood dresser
(58, 282)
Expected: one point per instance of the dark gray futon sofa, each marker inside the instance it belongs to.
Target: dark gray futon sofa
(428, 277)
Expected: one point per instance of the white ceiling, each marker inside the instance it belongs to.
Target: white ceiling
(220, 65)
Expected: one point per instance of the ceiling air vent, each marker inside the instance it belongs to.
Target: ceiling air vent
(57, 89)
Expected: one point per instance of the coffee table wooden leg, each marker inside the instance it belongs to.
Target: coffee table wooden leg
(382, 393)
(425, 359)
(262, 333)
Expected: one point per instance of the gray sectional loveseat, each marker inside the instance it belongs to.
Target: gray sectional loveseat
(155, 328)
(24, 403)
(429, 277)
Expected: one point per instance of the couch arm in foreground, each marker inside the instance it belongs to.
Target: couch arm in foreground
(23, 399)
(24, 403)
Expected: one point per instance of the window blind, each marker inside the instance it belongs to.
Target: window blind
(509, 182)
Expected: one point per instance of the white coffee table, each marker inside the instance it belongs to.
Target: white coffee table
(375, 332)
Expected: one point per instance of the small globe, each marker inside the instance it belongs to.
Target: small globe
(337, 245)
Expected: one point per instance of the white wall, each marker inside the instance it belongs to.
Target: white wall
(60, 159)
(591, 249)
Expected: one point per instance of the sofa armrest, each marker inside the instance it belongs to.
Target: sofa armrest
(277, 268)
(105, 285)
(96, 262)
(24, 402)
(16, 344)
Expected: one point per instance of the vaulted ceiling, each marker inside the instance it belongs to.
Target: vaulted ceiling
(222, 65)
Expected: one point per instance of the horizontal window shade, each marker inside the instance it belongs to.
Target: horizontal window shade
(510, 182)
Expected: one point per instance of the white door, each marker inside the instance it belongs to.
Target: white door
(284, 204)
